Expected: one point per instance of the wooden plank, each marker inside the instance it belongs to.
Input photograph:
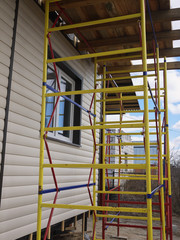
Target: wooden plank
(158, 17)
(132, 40)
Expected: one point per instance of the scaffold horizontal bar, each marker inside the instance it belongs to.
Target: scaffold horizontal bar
(69, 100)
(127, 158)
(132, 111)
(123, 133)
(95, 208)
(131, 225)
(154, 89)
(73, 128)
(155, 191)
(132, 133)
(98, 166)
(134, 178)
(130, 155)
(120, 122)
(133, 202)
(122, 78)
(93, 23)
(126, 144)
(127, 178)
(138, 175)
(123, 57)
(66, 188)
(125, 217)
(106, 90)
(120, 99)
(127, 121)
(127, 98)
(132, 70)
(123, 192)
(134, 159)
(94, 55)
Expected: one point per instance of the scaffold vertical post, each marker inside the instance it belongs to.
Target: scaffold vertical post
(94, 170)
(167, 146)
(43, 106)
(103, 146)
(146, 122)
(160, 147)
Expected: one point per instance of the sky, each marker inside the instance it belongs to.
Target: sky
(173, 95)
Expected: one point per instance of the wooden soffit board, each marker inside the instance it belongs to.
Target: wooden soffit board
(122, 34)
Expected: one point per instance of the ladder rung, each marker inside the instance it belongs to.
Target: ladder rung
(125, 144)
(125, 217)
(95, 208)
(93, 127)
(96, 22)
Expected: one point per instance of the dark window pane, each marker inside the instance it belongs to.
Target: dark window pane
(68, 86)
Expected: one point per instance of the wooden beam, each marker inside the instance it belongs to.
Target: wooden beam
(30, 236)
(130, 40)
(76, 3)
(83, 225)
(62, 226)
(170, 52)
(75, 222)
(49, 234)
(158, 17)
(170, 66)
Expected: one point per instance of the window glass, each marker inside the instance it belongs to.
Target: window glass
(64, 112)
(50, 101)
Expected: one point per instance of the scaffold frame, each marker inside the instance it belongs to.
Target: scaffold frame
(145, 210)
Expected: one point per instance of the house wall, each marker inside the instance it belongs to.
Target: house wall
(7, 9)
(20, 182)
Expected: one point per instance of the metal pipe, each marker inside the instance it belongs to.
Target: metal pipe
(69, 100)
(65, 188)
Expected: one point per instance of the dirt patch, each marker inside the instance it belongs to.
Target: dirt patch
(128, 233)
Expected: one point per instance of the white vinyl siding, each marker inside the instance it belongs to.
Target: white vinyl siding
(20, 185)
(6, 27)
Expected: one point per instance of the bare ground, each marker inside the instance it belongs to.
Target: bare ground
(128, 233)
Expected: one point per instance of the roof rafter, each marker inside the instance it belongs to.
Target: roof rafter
(158, 17)
(76, 3)
(130, 40)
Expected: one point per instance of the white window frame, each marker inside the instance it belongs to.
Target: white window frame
(55, 135)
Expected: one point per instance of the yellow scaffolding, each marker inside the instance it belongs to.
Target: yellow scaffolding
(142, 127)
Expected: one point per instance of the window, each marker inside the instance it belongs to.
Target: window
(64, 113)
